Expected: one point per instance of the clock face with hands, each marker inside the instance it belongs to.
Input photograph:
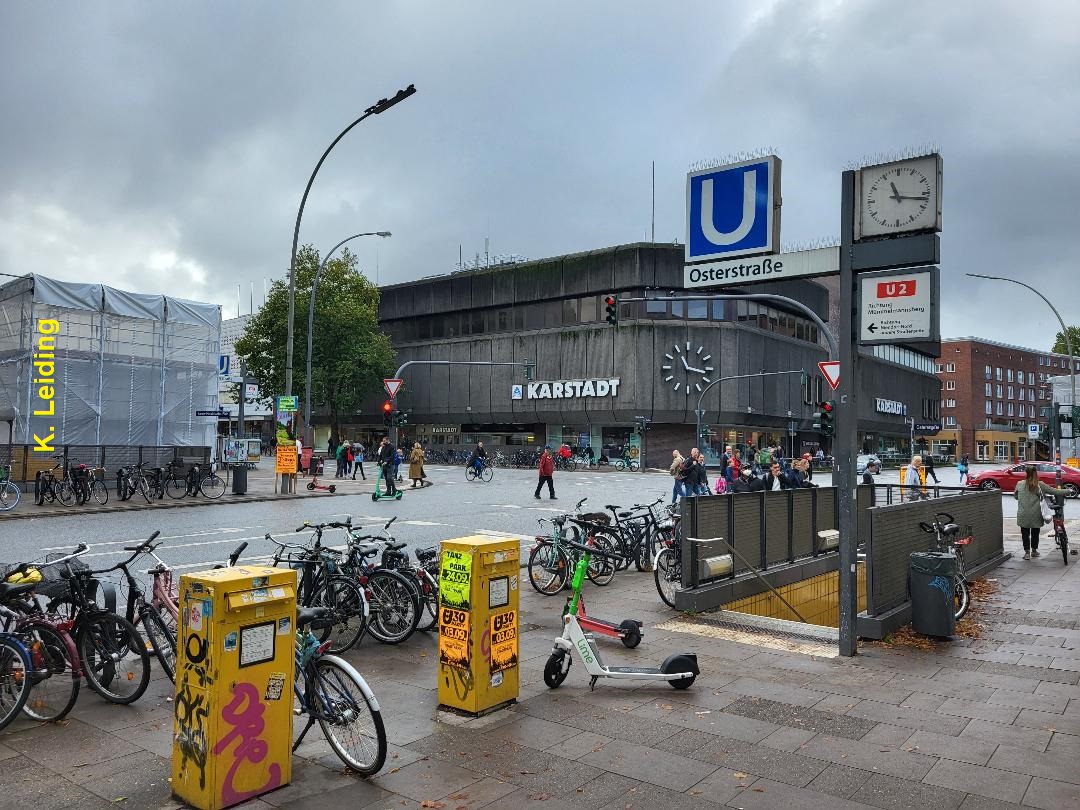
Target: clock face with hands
(686, 368)
(900, 197)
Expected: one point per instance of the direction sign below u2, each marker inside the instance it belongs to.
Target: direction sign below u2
(898, 306)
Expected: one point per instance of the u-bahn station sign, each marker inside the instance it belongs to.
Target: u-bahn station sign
(781, 266)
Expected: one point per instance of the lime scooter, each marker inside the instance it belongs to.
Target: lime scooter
(377, 494)
(679, 670)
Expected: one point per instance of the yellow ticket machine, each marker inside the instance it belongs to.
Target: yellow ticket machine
(232, 719)
(478, 623)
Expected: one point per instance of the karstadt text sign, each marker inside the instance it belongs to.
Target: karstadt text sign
(568, 389)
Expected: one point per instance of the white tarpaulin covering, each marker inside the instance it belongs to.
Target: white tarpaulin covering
(126, 368)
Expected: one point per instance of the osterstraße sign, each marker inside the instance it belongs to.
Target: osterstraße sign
(798, 264)
(570, 389)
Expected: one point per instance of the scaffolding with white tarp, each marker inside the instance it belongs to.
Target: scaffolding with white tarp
(92, 365)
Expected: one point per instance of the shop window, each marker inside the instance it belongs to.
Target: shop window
(1001, 451)
(697, 310)
(982, 451)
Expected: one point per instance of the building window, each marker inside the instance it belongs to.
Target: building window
(589, 309)
(1011, 392)
(997, 371)
(950, 403)
(986, 372)
(950, 421)
(1042, 361)
(950, 385)
(951, 367)
(1020, 376)
(1000, 409)
(1031, 394)
(989, 406)
(718, 310)
(1012, 409)
(697, 310)
(1008, 373)
(656, 307)
(1000, 391)
(940, 368)
(1022, 393)
(1001, 451)
(989, 389)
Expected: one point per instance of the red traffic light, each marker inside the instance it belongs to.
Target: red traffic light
(609, 301)
(387, 407)
(827, 407)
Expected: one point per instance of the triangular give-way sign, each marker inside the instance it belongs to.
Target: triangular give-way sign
(392, 387)
(830, 370)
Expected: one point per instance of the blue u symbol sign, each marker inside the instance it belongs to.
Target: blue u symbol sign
(730, 210)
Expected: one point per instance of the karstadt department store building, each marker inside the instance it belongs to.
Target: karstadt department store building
(592, 380)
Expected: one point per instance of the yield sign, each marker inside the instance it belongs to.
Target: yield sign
(392, 387)
(830, 370)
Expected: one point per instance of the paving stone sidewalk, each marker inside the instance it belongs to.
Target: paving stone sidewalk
(974, 724)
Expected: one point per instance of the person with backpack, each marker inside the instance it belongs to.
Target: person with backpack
(358, 461)
(340, 455)
(962, 467)
(677, 488)
(349, 459)
(701, 473)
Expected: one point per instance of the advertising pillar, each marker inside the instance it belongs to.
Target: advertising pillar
(478, 624)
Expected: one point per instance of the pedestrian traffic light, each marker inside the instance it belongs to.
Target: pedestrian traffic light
(823, 419)
(401, 419)
(388, 413)
(611, 307)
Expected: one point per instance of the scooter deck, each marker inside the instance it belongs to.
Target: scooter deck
(636, 670)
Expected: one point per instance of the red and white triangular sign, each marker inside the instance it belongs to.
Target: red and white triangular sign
(392, 387)
(830, 370)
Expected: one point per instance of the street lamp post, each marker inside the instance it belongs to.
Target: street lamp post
(379, 107)
(311, 322)
(1068, 348)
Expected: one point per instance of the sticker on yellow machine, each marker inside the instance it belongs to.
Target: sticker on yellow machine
(454, 637)
(455, 579)
(504, 640)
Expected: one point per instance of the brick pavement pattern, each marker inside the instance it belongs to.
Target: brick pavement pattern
(988, 723)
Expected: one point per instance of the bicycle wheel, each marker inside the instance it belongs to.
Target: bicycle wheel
(213, 486)
(162, 641)
(548, 569)
(65, 493)
(14, 680)
(487, 474)
(347, 601)
(961, 598)
(99, 491)
(144, 488)
(601, 569)
(176, 487)
(349, 715)
(668, 576)
(54, 681)
(9, 496)
(114, 657)
(393, 607)
(429, 602)
(470, 473)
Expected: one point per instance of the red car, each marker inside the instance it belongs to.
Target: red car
(1007, 478)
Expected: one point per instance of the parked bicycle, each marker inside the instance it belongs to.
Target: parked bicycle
(49, 488)
(423, 578)
(14, 666)
(948, 536)
(333, 694)
(9, 490)
(194, 482)
(667, 566)
(1061, 538)
(552, 559)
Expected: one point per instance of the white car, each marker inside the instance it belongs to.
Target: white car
(864, 460)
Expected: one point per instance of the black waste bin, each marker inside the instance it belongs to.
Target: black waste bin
(239, 480)
(931, 586)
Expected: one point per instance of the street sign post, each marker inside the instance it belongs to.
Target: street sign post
(782, 266)
(899, 306)
(830, 370)
(392, 386)
(1033, 430)
(733, 210)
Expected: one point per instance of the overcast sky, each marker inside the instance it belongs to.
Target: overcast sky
(165, 147)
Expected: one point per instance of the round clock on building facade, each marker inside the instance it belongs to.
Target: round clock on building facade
(900, 197)
(686, 368)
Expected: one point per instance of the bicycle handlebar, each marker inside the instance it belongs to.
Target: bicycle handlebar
(591, 550)
(236, 553)
(144, 545)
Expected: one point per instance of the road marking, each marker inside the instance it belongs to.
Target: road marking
(422, 523)
(159, 537)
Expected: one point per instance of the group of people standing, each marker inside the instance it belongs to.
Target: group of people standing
(350, 461)
(764, 470)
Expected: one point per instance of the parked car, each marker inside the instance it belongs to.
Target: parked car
(864, 459)
(1006, 478)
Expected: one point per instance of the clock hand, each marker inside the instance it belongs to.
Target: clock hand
(695, 370)
(895, 194)
(902, 197)
(684, 365)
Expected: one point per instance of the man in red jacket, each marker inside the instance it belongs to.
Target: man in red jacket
(547, 470)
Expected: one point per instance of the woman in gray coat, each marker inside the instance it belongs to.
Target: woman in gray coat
(1029, 494)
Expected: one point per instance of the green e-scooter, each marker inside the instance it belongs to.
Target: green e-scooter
(679, 670)
(378, 494)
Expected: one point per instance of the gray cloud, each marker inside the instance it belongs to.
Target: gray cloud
(165, 148)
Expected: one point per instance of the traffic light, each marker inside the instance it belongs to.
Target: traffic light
(530, 371)
(823, 419)
(703, 434)
(388, 413)
(401, 419)
(611, 307)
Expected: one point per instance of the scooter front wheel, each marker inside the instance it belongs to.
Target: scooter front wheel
(680, 663)
(311, 485)
(556, 669)
(333, 488)
(631, 633)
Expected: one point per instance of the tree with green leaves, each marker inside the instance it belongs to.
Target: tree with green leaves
(1059, 343)
(350, 356)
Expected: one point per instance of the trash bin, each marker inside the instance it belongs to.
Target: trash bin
(316, 467)
(239, 480)
(931, 586)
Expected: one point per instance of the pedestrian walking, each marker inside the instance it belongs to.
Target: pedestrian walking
(928, 465)
(339, 454)
(386, 457)
(358, 461)
(701, 474)
(913, 480)
(731, 460)
(398, 458)
(331, 447)
(299, 455)
(1029, 495)
(416, 467)
(349, 459)
(962, 467)
(869, 472)
(677, 488)
(547, 472)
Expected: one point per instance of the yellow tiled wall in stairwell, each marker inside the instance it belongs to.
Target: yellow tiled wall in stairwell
(815, 598)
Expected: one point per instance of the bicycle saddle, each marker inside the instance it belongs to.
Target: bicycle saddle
(368, 549)
(395, 546)
(426, 553)
(9, 589)
(318, 617)
(626, 514)
(950, 529)
(611, 507)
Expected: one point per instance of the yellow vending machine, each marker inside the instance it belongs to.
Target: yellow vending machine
(478, 624)
(232, 719)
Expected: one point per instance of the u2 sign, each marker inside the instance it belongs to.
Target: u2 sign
(733, 210)
(898, 306)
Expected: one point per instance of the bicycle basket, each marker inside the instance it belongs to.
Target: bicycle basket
(596, 517)
(53, 583)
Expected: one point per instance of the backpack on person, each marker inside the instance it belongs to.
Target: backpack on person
(721, 485)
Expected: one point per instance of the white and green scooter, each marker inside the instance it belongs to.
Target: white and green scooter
(679, 670)
(380, 495)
